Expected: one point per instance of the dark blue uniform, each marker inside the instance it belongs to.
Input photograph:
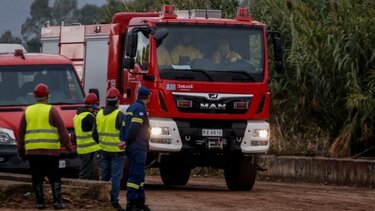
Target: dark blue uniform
(135, 131)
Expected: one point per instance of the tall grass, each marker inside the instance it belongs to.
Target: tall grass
(326, 97)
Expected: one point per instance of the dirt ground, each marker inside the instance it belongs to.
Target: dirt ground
(212, 194)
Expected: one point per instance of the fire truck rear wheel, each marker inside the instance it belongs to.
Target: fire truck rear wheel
(240, 173)
(173, 172)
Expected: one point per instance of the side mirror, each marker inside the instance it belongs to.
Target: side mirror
(278, 51)
(161, 34)
(128, 63)
(131, 44)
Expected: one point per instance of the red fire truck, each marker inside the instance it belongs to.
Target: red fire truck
(19, 73)
(207, 109)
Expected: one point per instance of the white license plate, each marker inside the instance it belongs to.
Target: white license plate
(212, 132)
(62, 164)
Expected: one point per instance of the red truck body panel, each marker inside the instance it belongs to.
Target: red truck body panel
(22, 70)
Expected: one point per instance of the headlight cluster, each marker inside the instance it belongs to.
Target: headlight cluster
(261, 133)
(7, 137)
(157, 131)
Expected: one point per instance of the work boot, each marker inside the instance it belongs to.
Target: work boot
(141, 205)
(117, 206)
(39, 196)
(132, 206)
(56, 192)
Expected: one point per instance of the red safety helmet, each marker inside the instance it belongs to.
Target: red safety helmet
(41, 90)
(113, 94)
(91, 99)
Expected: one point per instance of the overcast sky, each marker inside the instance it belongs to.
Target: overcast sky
(13, 13)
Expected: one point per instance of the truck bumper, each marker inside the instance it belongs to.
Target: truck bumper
(256, 137)
(10, 162)
(169, 139)
(9, 159)
(252, 138)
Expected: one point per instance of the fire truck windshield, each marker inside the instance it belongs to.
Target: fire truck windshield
(17, 84)
(212, 53)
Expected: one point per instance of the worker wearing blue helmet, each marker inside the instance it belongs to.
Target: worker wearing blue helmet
(134, 135)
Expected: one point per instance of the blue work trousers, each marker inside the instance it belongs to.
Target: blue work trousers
(112, 169)
(135, 185)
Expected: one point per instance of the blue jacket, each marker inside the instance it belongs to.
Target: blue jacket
(135, 130)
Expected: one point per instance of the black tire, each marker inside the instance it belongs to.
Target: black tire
(240, 173)
(173, 172)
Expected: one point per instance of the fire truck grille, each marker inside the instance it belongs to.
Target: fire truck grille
(202, 104)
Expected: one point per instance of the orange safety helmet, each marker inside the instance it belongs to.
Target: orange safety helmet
(41, 90)
(113, 94)
(91, 99)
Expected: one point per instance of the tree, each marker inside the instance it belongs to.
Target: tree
(88, 14)
(64, 10)
(107, 11)
(40, 13)
(7, 37)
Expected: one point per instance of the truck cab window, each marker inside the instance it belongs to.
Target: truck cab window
(227, 54)
(64, 86)
(142, 54)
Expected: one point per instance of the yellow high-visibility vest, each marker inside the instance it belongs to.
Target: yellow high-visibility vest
(109, 136)
(85, 142)
(39, 133)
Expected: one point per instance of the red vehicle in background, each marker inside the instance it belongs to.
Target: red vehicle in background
(19, 73)
(202, 113)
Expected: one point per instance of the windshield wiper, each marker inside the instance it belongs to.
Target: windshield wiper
(244, 73)
(203, 72)
(184, 77)
(186, 71)
(248, 76)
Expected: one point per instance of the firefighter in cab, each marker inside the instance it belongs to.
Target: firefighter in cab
(134, 135)
(184, 53)
(87, 147)
(41, 132)
(107, 131)
(224, 55)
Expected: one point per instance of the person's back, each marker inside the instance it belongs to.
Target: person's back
(41, 132)
(87, 147)
(135, 134)
(107, 131)
(184, 53)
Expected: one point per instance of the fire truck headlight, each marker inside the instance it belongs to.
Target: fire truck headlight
(7, 137)
(157, 131)
(261, 133)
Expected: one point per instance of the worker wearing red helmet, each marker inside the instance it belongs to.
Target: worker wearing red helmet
(87, 147)
(41, 132)
(135, 134)
(107, 130)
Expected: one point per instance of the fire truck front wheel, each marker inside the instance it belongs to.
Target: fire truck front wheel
(173, 172)
(240, 172)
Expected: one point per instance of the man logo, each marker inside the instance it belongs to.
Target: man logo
(213, 96)
(213, 106)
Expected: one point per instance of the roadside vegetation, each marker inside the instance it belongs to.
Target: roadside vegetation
(324, 102)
